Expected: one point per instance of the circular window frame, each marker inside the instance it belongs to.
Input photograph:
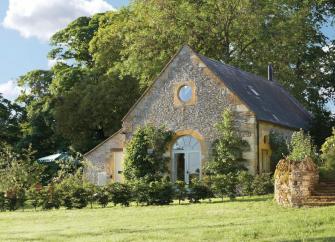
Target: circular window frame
(179, 94)
(177, 101)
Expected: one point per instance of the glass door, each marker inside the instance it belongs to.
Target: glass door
(193, 166)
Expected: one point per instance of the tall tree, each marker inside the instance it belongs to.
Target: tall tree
(248, 34)
(10, 116)
(38, 126)
(89, 100)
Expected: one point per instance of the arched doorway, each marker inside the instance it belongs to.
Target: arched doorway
(186, 159)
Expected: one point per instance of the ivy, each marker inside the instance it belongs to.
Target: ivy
(145, 154)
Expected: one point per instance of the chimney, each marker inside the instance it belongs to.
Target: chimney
(270, 72)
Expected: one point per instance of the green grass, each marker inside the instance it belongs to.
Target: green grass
(248, 219)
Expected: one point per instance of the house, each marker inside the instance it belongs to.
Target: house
(188, 97)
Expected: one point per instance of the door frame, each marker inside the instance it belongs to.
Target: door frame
(186, 164)
(115, 150)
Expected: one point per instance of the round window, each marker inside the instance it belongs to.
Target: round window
(185, 93)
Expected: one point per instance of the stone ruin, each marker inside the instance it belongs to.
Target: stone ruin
(295, 182)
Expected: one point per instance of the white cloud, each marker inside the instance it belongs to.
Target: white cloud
(42, 18)
(10, 90)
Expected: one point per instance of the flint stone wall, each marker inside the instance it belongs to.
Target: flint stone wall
(295, 181)
(158, 108)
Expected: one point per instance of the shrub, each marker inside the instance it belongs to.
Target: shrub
(161, 193)
(141, 192)
(328, 156)
(73, 194)
(301, 146)
(91, 191)
(50, 197)
(263, 184)
(279, 148)
(17, 171)
(245, 183)
(2, 202)
(225, 185)
(199, 191)
(102, 196)
(79, 197)
(21, 198)
(180, 191)
(11, 200)
(145, 154)
(120, 193)
(34, 196)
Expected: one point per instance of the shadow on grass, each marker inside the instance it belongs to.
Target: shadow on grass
(241, 199)
(319, 239)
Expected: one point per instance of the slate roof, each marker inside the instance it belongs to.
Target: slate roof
(267, 99)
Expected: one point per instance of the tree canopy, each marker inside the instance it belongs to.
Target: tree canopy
(104, 62)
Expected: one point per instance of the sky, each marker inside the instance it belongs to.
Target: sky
(26, 25)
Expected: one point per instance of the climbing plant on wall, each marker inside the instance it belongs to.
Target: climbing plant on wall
(145, 154)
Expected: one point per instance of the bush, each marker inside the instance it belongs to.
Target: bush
(327, 171)
(21, 198)
(301, 146)
(91, 191)
(50, 197)
(141, 192)
(180, 191)
(34, 196)
(11, 200)
(263, 184)
(2, 202)
(199, 191)
(245, 183)
(225, 185)
(102, 196)
(161, 193)
(120, 193)
(73, 194)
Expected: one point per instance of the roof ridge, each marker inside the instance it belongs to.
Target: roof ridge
(274, 82)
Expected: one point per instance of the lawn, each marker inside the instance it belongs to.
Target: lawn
(248, 219)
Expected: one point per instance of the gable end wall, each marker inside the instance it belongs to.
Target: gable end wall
(157, 107)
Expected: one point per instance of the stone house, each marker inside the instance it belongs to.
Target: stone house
(188, 97)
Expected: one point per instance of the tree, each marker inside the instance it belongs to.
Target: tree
(17, 174)
(38, 126)
(90, 101)
(243, 33)
(105, 61)
(10, 117)
(92, 110)
(227, 159)
(18, 171)
(228, 150)
(145, 154)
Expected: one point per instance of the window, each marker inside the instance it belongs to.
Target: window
(185, 93)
